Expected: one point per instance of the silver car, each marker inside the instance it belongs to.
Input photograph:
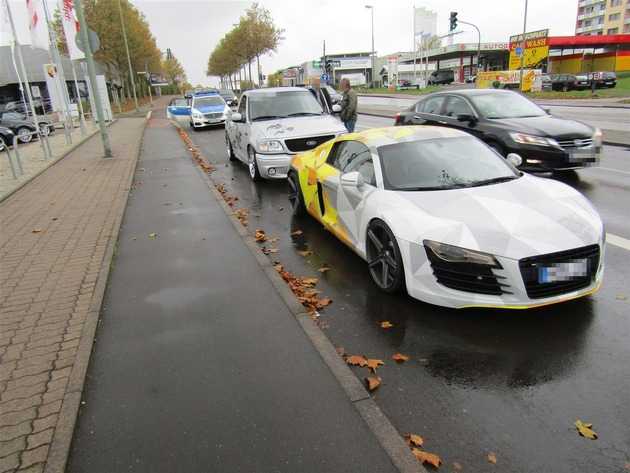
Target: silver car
(272, 125)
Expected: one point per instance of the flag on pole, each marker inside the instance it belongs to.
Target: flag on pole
(37, 24)
(6, 37)
(70, 28)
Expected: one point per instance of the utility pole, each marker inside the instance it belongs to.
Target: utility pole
(520, 80)
(371, 8)
(146, 69)
(124, 32)
(83, 31)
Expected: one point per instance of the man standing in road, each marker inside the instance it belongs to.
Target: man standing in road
(348, 113)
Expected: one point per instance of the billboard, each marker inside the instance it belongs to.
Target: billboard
(532, 81)
(535, 50)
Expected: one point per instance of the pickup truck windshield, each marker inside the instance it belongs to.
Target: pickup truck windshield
(282, 105)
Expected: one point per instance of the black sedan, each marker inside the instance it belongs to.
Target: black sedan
(6, 138)
(23, 126)
(510, 123)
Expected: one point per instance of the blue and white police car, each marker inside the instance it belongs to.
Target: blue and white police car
(207, 108)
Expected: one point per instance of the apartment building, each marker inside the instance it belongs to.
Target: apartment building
(602, 17)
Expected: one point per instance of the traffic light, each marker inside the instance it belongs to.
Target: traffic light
(453, 24)
(329, 66)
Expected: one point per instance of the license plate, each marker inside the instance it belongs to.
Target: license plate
(586, 155)
(563, 271)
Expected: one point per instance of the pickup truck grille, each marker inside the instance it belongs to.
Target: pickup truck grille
(304, 144)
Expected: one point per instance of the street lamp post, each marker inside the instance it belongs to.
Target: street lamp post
(520, 80)
(371, 8)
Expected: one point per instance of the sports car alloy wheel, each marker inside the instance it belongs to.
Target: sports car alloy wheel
(24, 135)
(253, 166)
(295, 195)
(383, 255)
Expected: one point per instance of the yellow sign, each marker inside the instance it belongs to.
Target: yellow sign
(487, 80)
(534, 48)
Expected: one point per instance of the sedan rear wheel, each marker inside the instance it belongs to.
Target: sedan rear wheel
(384, 258)
(24, 135)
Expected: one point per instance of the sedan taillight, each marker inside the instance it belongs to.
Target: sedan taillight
(398, 119)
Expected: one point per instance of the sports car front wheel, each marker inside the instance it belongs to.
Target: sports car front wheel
(384, 259)
(295, 195)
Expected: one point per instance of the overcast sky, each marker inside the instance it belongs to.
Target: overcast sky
(192, 28)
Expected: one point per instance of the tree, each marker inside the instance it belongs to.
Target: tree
(173, 70)
(275, 79)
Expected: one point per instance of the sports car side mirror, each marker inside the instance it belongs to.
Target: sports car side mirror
(514, 159)
(336, 108)
(352, 179)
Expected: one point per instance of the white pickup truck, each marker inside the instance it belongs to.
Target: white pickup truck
(272, 125)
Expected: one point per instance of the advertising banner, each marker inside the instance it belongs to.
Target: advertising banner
(70, 28)
(510, 79)
(54, 87)
(392, 72)
(37, 24)
(535, 50)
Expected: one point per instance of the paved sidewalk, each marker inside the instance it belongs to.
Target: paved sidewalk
(200, 366)
(54, 235)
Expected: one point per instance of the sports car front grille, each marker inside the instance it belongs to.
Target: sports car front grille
(576, 143)
(213, 115)
(538, 290)
(468, 277)
(304, 144)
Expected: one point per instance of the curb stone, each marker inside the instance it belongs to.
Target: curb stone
(60, 446)
(378, 423)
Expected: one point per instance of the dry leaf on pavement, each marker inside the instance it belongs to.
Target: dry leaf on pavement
(386, 324)
(413, 439)
(400, 358)
(260, 235)
(426, 457)
(585, 429)
(309, 281)
(278, 267)
(297, 233)
(323, 269)
(373, 364)
(492, 458)
(457, 466)
(305, 253)
(627, 466)
(372, 382)
(152, 236)
(321, 303)
(37, 230)
(356, 360)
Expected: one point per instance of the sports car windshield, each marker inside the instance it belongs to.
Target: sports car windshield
(267, 106)
(442, 163)
(510, 105)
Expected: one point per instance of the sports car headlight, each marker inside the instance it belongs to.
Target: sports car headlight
(270, 146)
(598, 137)
(455, 254)
(526, 139)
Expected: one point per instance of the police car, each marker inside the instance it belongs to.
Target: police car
(207, 108)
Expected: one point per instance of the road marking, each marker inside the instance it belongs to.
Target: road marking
(612, 170)
(618, 241)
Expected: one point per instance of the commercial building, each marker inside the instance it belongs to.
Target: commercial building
(602, 17)
(573, 54)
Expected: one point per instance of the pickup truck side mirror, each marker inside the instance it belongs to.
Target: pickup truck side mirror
(236, 117)
(336, 108)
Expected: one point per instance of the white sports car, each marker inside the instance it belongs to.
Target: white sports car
(437, 212)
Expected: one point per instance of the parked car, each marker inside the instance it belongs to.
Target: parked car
(206, 109)
(6, 138)
(229, 96)
(471, 79)
(178, 108)
(272, 125)
(436, 213)
(546, 82)
(335, 96)
(563, 82)
(322, 95)
(23, 126)
(582, 81)
(508, 122)
(441, 77)
(604, 79)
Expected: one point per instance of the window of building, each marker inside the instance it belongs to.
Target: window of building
(614, 17)
(615, 3)
(587, 23)
(626, 28)
(613, 31)
(600, 20)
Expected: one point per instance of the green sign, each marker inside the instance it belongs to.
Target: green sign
(317, 64)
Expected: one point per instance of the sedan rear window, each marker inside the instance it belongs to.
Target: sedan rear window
(442, 163)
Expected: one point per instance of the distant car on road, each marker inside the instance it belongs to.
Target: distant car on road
(6, 138)
(510, 123)
(604, 79)
(178, 108)
(23, 126)
(441, 77)
(471, 79)
(229, 96)
(563, 82)
(207, 109)
(436, 213)
(335, 96)
(274, 124)
(582, 81)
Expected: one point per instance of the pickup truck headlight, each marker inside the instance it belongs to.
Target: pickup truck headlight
(598, 137)
(455, 254)
(526, 139)
(270, 146)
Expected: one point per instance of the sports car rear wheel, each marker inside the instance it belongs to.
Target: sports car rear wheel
(295, 195)
(384, 259)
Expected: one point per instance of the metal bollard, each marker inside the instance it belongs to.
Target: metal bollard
(17, 154)
(6, 148)
(47, 147)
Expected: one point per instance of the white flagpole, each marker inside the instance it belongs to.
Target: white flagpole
(26, 83)
(76, 88)
(17, 73)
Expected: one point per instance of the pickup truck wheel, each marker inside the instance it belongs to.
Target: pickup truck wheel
(228, 146)
(254, 173)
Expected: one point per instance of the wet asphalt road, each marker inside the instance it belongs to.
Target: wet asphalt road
(512, 383)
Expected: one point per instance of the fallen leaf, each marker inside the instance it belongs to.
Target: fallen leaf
(386, 324)
(356, 360)
(297, 233)
(323, 269)
(54, 219)
(585, 429)
(372, 382)
(373, 364)
(321, 303)
(152, 236)
(457, 466)
(621, 297)
(627, 466)
(310, 281)
(278, 267)
(260, 235)
(400, 358)
(305, 253)
(426, 457)
(413, 439)
(492, 458)
(37, 230)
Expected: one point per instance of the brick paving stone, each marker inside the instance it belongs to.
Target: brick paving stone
(47, 281)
